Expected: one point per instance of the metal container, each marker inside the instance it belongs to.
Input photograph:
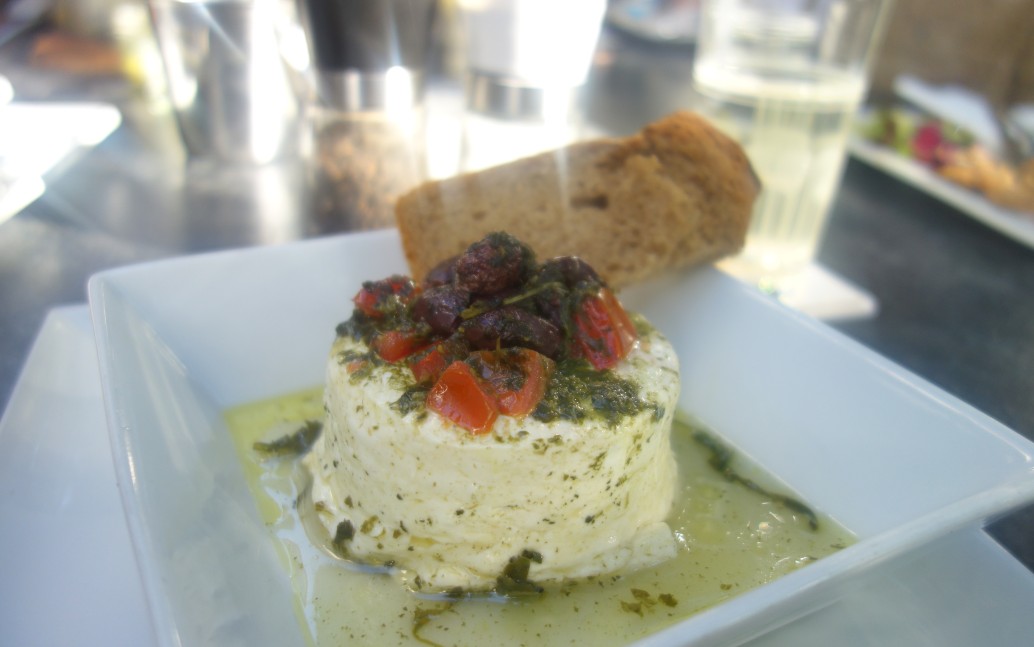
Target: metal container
(226, 79)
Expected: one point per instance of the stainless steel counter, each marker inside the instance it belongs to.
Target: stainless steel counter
(956, 299)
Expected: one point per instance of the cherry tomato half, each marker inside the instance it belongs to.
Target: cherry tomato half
(458, 396)
(394, 345)
(516, 378)
(604, 334)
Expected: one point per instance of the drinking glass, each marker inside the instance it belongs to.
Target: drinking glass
(785, 78)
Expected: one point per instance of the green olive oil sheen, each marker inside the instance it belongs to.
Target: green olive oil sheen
(733, 529)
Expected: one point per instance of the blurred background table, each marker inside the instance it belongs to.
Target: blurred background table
(956, 299)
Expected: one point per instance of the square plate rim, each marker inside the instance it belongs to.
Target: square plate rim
(724, 626)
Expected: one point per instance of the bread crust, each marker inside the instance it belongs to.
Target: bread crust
(677, 193)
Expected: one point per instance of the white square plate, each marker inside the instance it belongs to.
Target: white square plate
(959, 591)
(892, 458)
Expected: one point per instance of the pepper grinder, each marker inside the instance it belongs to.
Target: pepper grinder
(526, 61)
(369, 59)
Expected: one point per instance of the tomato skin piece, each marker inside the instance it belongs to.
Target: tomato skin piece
(430, 365)
(515, 378)
(626, 329)
(366, 301)
(356, 365)
(395, 345)
(376, 299)
(537, 370)
(604, 334)
(458, 396)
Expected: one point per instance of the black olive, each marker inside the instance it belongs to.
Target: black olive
(440, 307)
(569, 270)
(509, 327)
(442, 273)
(553, 303)
(493, 264)
(560, 279)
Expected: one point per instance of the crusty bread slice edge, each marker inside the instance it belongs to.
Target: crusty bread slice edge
(677, 193)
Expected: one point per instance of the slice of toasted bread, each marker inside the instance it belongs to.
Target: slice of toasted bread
(675, 194)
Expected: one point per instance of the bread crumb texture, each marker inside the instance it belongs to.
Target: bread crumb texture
(677, 193)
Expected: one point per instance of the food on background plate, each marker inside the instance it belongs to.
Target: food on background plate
(1005, 185)
(502, 423)
(677, 193)
(952, 153)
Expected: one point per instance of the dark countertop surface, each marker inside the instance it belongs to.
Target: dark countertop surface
(956, 299)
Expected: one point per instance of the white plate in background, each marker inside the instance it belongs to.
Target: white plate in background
(1014, 224)
(891, 457)
(964, 108)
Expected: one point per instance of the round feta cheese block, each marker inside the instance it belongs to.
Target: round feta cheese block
(404, 486)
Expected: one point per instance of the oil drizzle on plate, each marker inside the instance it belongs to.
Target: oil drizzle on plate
(731, 539)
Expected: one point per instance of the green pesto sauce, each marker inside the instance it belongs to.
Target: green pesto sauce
(577, 392)
(733, 527)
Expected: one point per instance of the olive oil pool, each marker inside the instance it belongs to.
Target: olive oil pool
(734, 529)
